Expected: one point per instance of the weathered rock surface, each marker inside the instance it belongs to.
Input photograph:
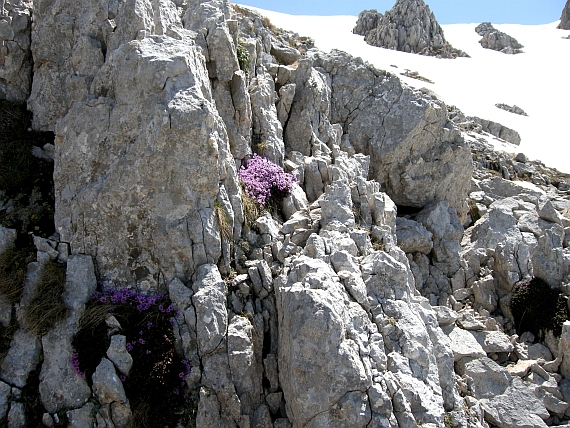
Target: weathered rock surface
(409, 26)
(497, 40)
(15, 53)
(181, 123)
(565, 18)
(511, 109)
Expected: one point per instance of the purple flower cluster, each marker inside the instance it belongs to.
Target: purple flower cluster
(75, 363)
(263, 179)
(126, 296)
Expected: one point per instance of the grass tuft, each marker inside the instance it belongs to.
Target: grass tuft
(13, 263)
(47, 307)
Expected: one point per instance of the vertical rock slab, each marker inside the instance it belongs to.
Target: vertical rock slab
(15, 54)
(319, 364)
(147, 165)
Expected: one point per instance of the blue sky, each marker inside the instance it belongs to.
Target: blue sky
(446, 11)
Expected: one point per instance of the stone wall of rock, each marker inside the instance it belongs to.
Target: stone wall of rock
(15, 53)
(497, 40)
(409, 26)
(362, 302)
(565, 18)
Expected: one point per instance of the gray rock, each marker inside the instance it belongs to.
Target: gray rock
(21, 359)
(445, 316)
(310, 352)
(285, 54)
(336, 205)
(7, 238)
(564, 350)
(118, 354)
(5, 390)
(409, 26)
(413, 236)
(463, 344)
(493, 341)
(267, 129)
(565, 18)
(209, 299)
(244, 355)
(81, 282)
(60, 386)
(178, 220)
(497, 40)
(15, 53)
(537, 351)
(516, 110)
(508, 403)
(16, 415)
(408, 180)
(498, 130)
(107, 385)
(81, 418)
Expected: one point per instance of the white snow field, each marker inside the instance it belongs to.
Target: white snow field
(537, 80)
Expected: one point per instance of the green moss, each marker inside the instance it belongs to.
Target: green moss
(537, 307)
(243, 56)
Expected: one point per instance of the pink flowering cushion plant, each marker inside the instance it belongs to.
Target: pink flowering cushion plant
(265, 181)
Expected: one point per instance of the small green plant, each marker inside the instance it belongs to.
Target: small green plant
(537, 307)
(244, 59)
(47, 307)
(157, 377)
(448, 420)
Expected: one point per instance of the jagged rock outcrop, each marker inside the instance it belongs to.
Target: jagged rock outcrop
(15, 53)
(409, 26)
(565, 18)
(497, 40)
(410, 118)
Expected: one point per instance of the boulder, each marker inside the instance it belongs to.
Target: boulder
(497, 40)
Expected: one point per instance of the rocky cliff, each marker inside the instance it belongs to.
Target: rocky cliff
(409, 26)
(376, 293)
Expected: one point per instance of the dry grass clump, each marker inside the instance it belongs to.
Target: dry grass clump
(224, 222)
(47, 306)
(13, 264)
(251, 209)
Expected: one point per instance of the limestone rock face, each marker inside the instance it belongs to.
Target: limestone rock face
(15, 53)
(66, 61)
(165, 226)
(417, 154)
(410, 26)
(497, 40)
(565, 18)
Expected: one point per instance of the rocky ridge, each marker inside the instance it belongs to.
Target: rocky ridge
(497, 40)
(409, 26)
(377, 296)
